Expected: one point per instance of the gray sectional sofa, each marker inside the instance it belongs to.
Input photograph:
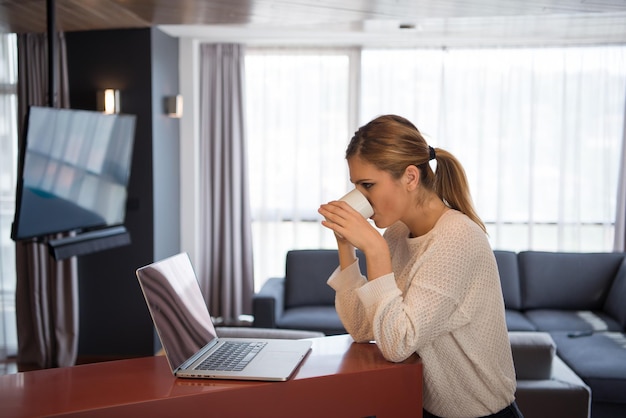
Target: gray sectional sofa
(301, 299)
(571, 305)
(579, 299)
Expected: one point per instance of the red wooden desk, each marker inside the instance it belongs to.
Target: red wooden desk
(338, 378)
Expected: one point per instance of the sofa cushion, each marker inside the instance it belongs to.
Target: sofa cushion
(516, 321)
(306, 272)
(561, 320)
(574, 281)
(615, 305)
(509, 278)
(599, 359)
(318, 318)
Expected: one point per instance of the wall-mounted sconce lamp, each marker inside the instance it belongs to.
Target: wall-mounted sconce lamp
(174, 106)
(109, 101)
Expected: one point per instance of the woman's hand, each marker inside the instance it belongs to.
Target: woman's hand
(347, 224)
(353, 230)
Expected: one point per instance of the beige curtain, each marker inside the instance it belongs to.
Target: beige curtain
(225, 269)
(46, 290)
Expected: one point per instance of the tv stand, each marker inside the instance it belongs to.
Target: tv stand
(89, 242)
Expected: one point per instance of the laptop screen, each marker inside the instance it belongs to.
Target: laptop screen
(177, 307)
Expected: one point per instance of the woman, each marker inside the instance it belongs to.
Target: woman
(433, 286)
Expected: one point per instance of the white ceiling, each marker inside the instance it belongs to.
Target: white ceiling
(340, 22)
(428, 32)
(429, 23)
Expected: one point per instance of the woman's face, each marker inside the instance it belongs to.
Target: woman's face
(388, 196)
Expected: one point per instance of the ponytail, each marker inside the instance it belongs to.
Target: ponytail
(392, 143)
(450, 184)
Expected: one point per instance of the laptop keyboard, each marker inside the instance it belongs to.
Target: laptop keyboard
(231, 356)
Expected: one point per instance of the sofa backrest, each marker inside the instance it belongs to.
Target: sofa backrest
(616, 300)
(574, 281)
(509, 278)
(306, 273)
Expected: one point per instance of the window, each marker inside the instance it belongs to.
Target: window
(8, 170)
(298, 113)
(538, 130)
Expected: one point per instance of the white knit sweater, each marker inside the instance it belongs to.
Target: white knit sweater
(444, 302)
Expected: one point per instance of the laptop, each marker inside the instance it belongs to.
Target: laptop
(192, 347)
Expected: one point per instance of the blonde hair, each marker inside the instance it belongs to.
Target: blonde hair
(392, 143)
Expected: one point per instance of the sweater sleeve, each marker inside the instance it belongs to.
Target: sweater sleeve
(347, 303)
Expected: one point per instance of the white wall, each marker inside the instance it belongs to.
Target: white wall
(189, 126)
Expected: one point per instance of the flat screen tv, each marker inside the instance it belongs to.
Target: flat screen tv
(73, 172)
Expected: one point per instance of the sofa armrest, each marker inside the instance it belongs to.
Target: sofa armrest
(268, 304)
(271, 333)
(564, 395)
(614, 304)
(533, 353)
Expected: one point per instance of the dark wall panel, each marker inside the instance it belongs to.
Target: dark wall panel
(114, 321)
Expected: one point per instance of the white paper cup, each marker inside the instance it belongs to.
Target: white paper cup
(356, 199)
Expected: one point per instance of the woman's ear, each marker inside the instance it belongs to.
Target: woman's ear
(411, 177)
